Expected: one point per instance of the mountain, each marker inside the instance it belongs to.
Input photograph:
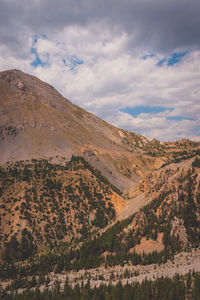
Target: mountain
(37, 121)
(77, 194)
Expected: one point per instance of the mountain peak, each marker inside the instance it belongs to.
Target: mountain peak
(13, 74)
(12, 71)
(20, 79)
(14, 77)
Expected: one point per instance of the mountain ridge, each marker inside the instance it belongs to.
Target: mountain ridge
(37, 121)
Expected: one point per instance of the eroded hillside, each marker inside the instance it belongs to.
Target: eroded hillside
(168, 224)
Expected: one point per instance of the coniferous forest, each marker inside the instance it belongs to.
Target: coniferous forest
(177, 288)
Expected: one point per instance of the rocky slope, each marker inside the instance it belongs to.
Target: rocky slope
(36, 121)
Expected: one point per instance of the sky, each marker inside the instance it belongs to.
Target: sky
(133, 63)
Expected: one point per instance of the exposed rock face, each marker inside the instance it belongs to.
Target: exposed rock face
(19, 84)
(179, 231)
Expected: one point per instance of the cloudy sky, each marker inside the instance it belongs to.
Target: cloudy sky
(134, 63)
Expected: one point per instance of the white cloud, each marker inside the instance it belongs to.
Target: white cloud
(154, 126)
(114, 76)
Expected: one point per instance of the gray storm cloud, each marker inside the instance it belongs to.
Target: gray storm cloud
(155, 25)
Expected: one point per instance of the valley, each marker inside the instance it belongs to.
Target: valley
(83, 200)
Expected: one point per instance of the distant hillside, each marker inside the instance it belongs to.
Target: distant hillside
(79, 202)
(167, 225)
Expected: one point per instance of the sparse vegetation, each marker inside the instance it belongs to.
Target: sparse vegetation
(55, 201)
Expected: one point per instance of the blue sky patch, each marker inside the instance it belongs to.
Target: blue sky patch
(64, 61)
(35, 39)
(161, 62)
(179, 118)
(72, 61)
(173, 59)
(135, 111)
(147, 56)
(37, 61)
